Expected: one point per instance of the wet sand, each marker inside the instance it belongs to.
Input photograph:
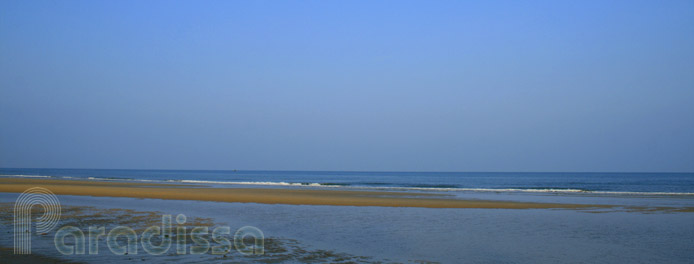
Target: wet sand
(7, 256)
(269, 196)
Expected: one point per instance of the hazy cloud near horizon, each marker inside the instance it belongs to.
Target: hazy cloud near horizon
(352, 85)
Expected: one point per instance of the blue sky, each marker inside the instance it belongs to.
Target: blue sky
(348, 85)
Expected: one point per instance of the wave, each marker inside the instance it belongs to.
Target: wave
(432, 187)
(537, 190)
(418, 185)
(260, 183)
(111, 179)
(25, 176)
(76, 178)
(532, 190)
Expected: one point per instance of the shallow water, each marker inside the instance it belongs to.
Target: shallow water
(439, 235)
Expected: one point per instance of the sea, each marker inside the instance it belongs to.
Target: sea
(634, 183)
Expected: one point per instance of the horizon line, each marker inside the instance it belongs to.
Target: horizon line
(295, 170)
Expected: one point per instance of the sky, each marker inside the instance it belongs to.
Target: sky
(586, 86)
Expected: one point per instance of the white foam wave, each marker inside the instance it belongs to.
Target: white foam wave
(518, 190)
(116, 179)
(395, 188)
(254, 183)
(25, 176)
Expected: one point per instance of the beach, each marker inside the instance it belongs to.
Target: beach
(267, 196)
(317, 223)
(375, 234)
(337, 217)
(291, 196)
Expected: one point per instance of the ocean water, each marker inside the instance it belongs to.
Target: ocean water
(529, 182)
